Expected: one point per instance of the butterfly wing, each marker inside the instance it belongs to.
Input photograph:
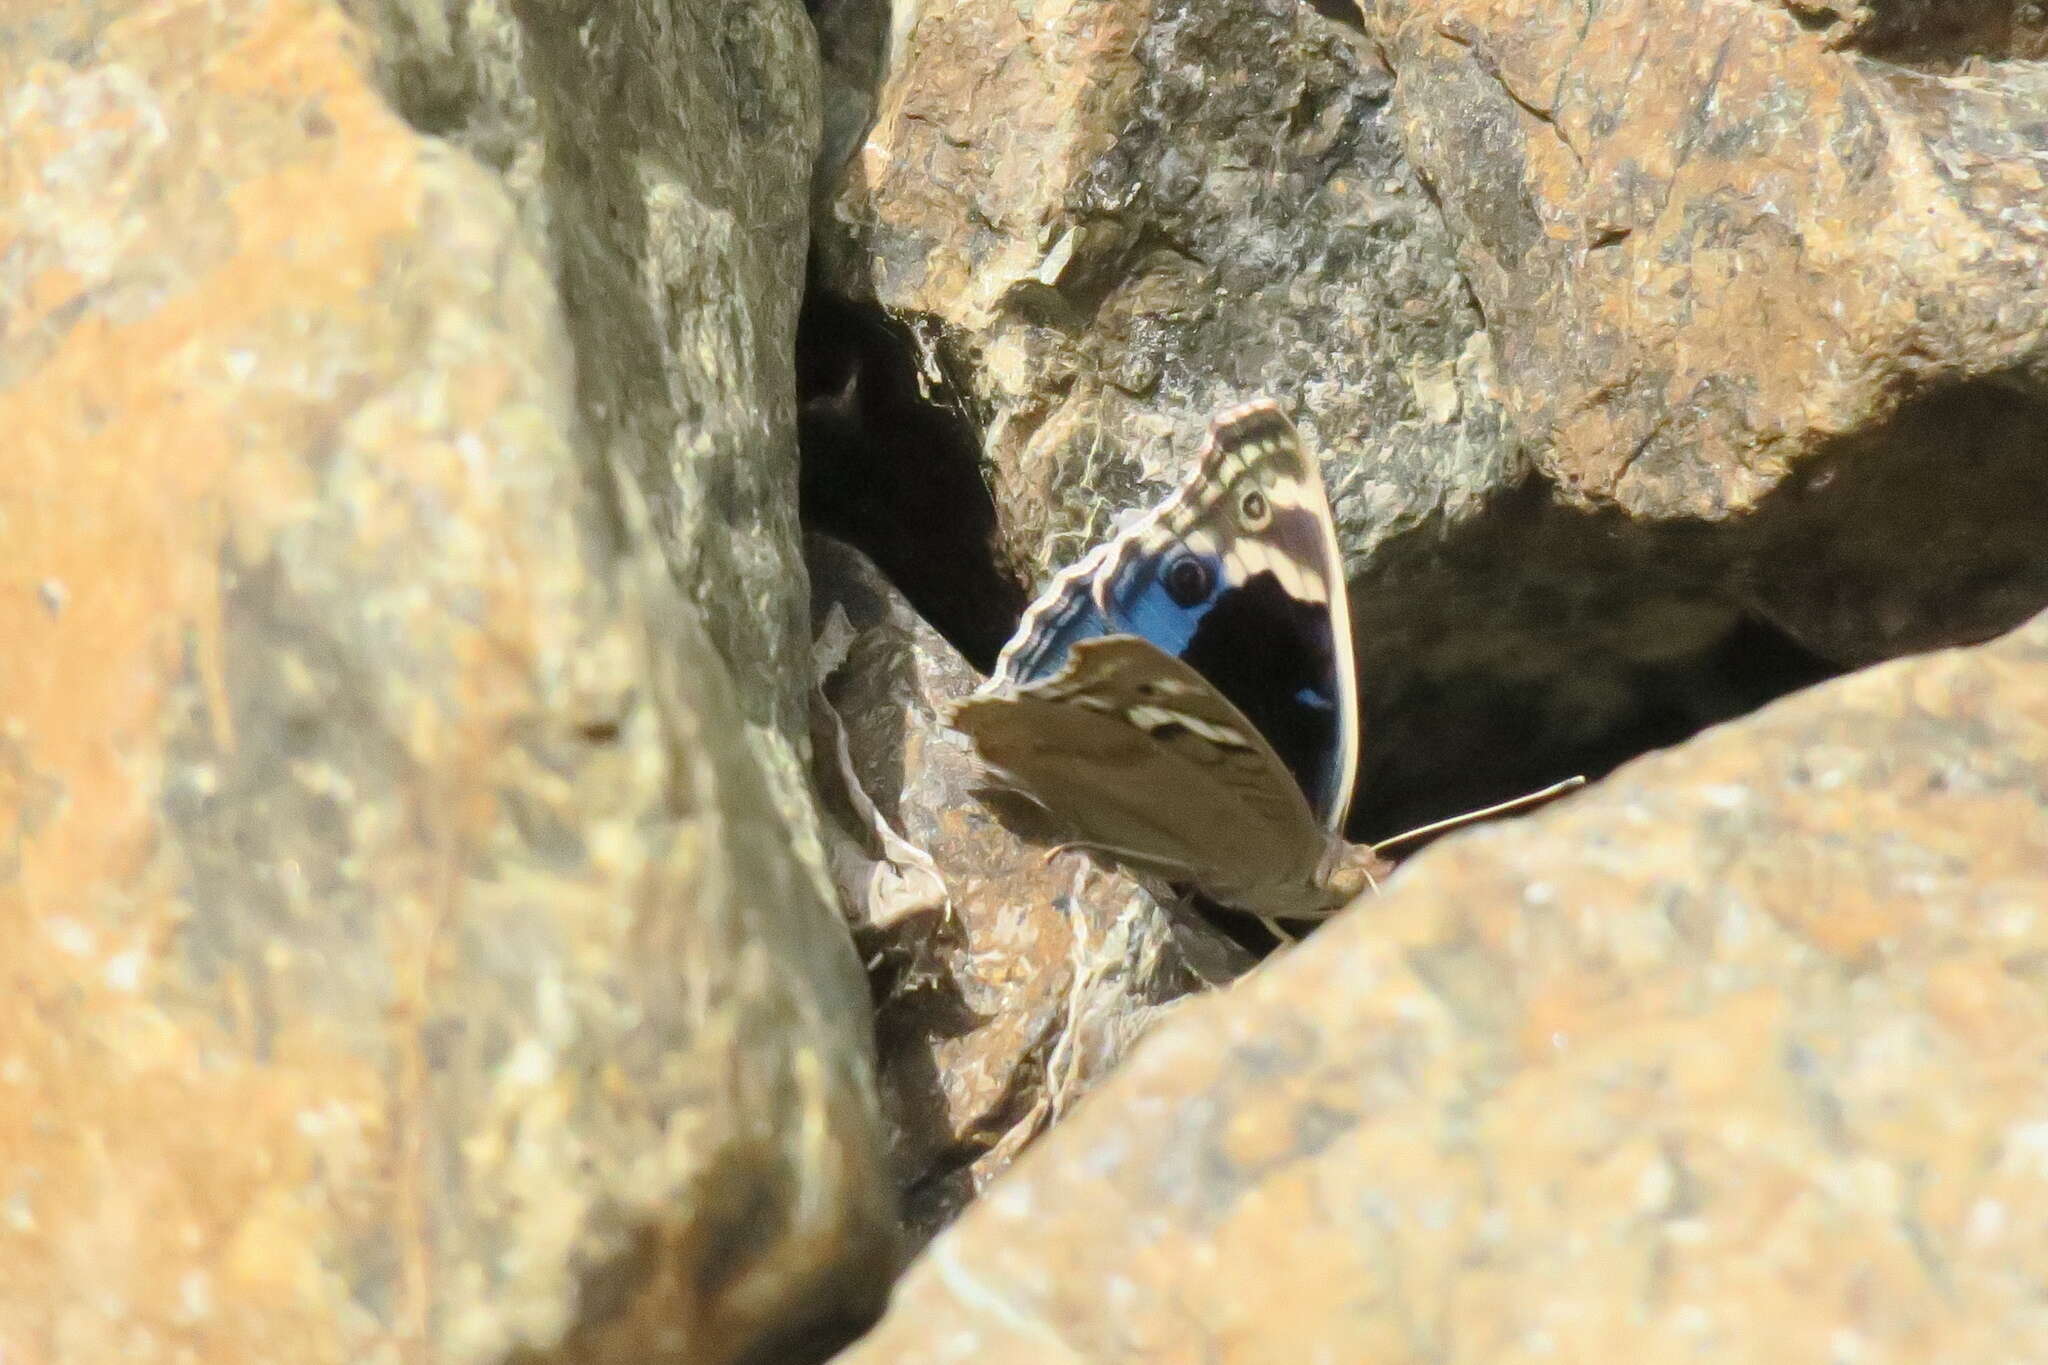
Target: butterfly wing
(1142, 758)
(1238, 574)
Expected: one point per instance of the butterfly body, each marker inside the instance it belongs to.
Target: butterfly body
(1183, 697)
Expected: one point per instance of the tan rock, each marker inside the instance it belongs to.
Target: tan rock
(678, 149)
(1735, 1056)
(1113, 222)
(1771, 257)
(406, 953)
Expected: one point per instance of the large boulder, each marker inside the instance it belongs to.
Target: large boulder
(1774, 288)
(416, 941)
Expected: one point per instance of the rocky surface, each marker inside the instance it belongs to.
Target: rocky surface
(679, 143)
(1008, 983)
(1592, 362)
(412, 950)
(1736, 1055)
(663, 155)
(1776, 280)
(1113, 225)
(421, 938)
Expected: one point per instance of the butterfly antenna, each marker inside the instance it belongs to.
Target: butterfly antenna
(1514, 803)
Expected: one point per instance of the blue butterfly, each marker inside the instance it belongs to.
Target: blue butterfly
(1183, 698)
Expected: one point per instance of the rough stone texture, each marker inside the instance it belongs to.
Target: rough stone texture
(1735, 1057)
(1641, 401)
(1771, 258)
(1010, 992)
(1117, 222)
(406, 957)
(665, 152)
(1101, 227)
(679, 146)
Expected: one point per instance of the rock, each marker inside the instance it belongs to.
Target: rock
(1134, 221)
(1009, 983)
(679, 149)
(1639, 404)
(1116, 224)
(665, 160)
(1736, 1055)
(1779, 289)
(410, 953)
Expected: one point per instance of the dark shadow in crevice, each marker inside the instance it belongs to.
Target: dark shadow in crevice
(640, 1294)
(1934, 35)
(892, 466)
(1345, 12)
(1481, 738)
(1535, 641)
(1928, 530)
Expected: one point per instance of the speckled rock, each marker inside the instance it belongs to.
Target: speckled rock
(1736, 1056)
(1009, 983)
(1120, 217)
(664, 153)
(408, 954)
(679, 142)
(1779, 287)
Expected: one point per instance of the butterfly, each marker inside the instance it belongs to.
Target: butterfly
(1183, 698)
